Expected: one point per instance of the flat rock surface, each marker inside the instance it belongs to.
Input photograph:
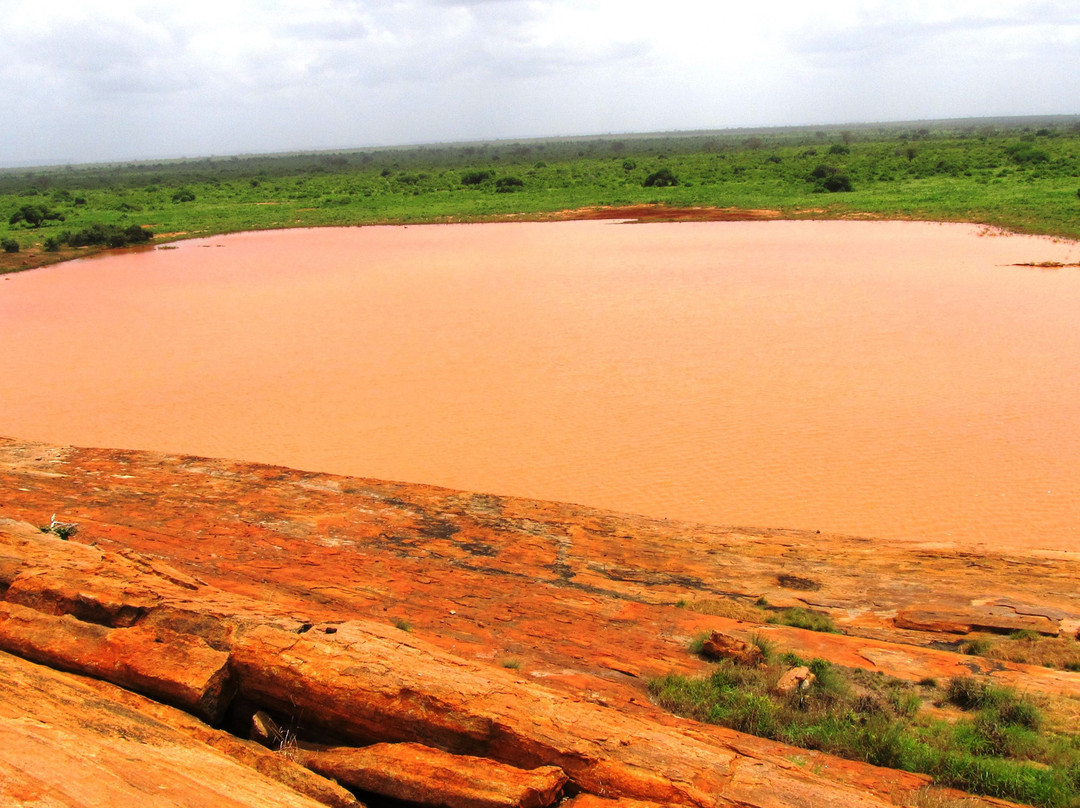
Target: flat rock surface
(418, 773)
(67, 741)
(518, 630)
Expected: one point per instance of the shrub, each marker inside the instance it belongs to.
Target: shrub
(34, 215)
(830, 179)
(52, 244)
(10, 245)
(184, 195)
(109, 235)
(505, 185)
(839, 148)
(630, 165)
(1024, 152)
(62, 530)
(660, 179)
(476, 177)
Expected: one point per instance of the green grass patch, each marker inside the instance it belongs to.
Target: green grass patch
(805, 618)
(1027, 647)
(1009, 177)
(997, 747)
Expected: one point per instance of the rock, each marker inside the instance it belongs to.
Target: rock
(176, 668)
(427, 776)
(592, 801)
(795, 680)
(724, 646)
(369, 682)
(298, 579)
(66, 741)
(964, 621)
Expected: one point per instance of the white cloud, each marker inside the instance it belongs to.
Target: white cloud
(128, 78)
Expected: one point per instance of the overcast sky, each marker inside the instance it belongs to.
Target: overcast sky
(126, 79)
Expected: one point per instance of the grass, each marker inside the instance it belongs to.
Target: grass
(1027, 647)
(997, 746)
(402, 624)
(62, 530)
(805, 618)
(725, 607)
(1013, 177)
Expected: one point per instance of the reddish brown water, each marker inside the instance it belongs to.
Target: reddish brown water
(889, 379)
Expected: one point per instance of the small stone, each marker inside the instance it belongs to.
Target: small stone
(795, 680)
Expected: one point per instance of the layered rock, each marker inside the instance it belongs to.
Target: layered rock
(374, 616)
(417, 773)
(723, 646)
(70, 741)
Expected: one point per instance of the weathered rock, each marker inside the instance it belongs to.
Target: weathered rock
(367, 682)
(966, 620)
(279, 564)
(67, 741)
(420, 774)
(178, 669)
(592, 801)
(794, 680)
(724, 646)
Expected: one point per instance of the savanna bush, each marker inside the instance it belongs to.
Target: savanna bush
(476, 177)
(109, 235)
(830, 179)
(662, 178)
(35, 215)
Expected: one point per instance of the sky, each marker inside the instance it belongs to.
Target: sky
(103, 80)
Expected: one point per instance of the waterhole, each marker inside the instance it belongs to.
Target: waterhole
(891, 379)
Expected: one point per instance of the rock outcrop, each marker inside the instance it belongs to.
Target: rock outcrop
(416, 773)
(396, 629)
(723, 646)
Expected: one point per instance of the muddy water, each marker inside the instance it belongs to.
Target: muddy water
(888, 379)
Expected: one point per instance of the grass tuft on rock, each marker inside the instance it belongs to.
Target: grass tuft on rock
(996, 746)
(1027, 647)
(805, 618)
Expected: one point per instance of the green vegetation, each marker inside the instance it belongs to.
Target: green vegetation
(1027, 647)
(62, 530)
(34, 216)
(1019, 174)
(804, 618)
(108, 235)
(663, 178)
(994, 743)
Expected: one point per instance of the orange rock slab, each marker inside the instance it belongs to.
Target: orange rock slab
(66, 741)
(427, 776)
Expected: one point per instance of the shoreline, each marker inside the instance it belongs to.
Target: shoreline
(30, 259)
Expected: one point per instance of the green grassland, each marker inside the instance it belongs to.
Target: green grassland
(966, 733)
(1023, 175)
